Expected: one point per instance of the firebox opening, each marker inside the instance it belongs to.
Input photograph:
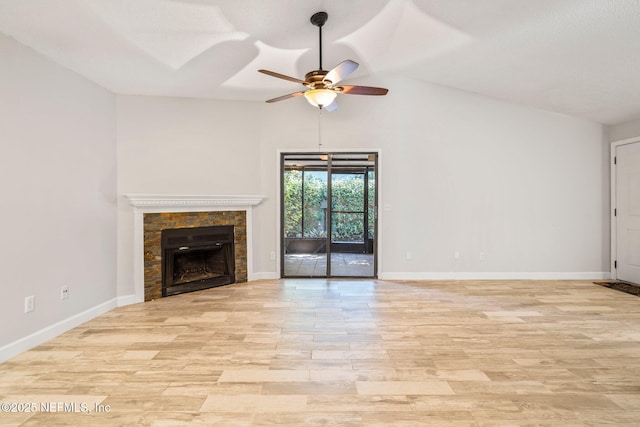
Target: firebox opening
(197, 258)
(200, 265)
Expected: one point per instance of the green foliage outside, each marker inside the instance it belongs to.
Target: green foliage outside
(293, 204)
(348, 198)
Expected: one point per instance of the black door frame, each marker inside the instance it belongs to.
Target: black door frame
(373, 156)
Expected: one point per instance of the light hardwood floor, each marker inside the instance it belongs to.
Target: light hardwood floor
(345, 353)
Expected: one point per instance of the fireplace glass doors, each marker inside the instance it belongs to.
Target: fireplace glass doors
(197, 258)
(329, 221)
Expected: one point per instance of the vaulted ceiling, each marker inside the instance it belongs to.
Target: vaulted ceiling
(579, 57)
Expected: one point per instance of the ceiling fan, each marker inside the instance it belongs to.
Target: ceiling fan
(321, 84)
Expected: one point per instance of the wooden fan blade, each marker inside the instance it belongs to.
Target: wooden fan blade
(283, 97)
(341, 71)
(282, 76)
(362, 90)
(331, 107)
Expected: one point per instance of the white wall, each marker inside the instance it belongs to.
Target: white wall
(626, 130)
(181, 146)
(463, 173)
(58, 174)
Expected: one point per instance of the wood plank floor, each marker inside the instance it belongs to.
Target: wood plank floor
(344, 353)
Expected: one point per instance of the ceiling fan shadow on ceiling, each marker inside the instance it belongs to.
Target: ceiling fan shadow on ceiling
(321, 84)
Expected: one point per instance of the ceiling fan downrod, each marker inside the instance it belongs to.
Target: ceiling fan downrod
(318, 19)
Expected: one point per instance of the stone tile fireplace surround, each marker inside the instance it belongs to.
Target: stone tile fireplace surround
(152, 213)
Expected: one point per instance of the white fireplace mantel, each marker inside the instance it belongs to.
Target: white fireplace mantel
(175, 201)
(158, 203)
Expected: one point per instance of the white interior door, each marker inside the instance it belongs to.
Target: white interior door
(628, 212)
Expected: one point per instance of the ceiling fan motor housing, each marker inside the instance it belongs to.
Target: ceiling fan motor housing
(315, 79)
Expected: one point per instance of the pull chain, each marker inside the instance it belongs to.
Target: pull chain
(320, 129)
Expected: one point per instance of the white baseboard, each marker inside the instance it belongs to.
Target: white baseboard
(599, 275)
(579, 275)
(23, 344)
(265, 275)
(129, 299)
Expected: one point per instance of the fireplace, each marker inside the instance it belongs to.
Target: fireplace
(153, 213)
(197, 258)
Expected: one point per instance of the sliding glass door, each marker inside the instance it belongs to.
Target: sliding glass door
(329, 219)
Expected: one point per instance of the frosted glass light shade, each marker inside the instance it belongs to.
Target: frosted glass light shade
(320, 97)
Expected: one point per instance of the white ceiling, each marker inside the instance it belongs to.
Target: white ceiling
(580, 57)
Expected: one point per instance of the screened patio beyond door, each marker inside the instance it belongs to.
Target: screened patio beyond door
(329, 219)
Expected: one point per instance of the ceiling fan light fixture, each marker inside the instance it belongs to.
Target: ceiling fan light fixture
(320, 97)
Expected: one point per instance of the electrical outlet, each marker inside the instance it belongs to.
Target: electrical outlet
(456, 255)
(29, 304)
(409, 255)
(273, 256)
(64, 292)
(481, 257)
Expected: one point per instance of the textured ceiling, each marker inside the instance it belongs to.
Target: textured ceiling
(580, 57)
